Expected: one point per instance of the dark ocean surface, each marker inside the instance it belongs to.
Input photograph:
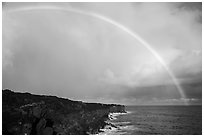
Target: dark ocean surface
(162, 120)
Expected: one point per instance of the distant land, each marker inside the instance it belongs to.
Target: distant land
(25, 113)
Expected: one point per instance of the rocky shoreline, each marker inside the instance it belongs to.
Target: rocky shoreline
(25, 113)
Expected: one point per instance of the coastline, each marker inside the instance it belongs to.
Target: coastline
(111, 127)
(25, 113)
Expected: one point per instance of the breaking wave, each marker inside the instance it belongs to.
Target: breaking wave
(115, 127)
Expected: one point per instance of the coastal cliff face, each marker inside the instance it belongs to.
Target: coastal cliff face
(117, 109)
(24, 113)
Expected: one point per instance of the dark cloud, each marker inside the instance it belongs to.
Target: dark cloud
(191, 5)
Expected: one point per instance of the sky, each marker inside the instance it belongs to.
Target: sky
(52, 50)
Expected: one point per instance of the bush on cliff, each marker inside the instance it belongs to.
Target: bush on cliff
(24, 113)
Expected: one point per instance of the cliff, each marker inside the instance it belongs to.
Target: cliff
(25, 113)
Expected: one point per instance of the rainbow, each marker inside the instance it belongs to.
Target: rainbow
(119, 26)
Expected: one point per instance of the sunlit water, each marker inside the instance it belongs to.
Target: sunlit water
(145, 120)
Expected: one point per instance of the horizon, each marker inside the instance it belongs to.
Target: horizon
(99, 102)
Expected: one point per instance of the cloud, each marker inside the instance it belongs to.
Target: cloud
(73, 55)
(188, 66)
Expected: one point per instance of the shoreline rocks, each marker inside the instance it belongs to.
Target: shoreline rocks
(24, 113)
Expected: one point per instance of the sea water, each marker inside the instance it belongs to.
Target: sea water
(156, 120)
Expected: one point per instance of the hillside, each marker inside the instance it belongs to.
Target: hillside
(25, 113)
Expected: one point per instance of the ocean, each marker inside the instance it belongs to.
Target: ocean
(156, 120)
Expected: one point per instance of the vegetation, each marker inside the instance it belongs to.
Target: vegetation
(25, 113)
